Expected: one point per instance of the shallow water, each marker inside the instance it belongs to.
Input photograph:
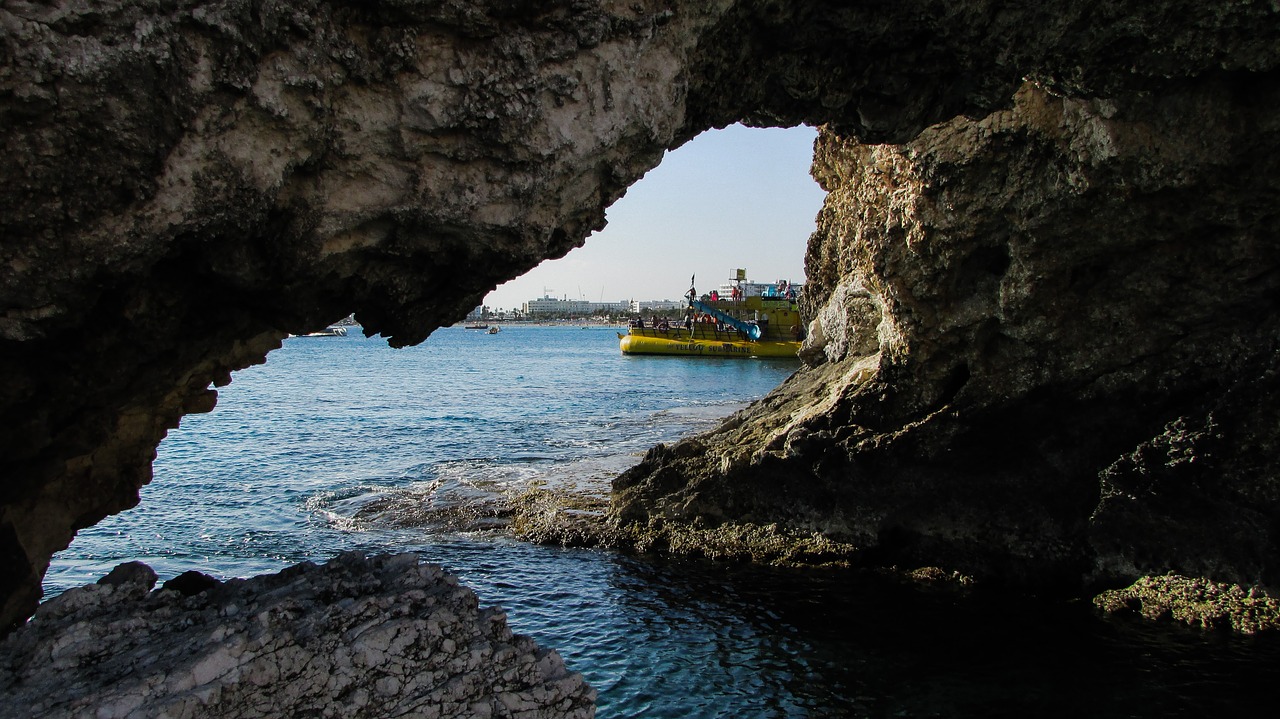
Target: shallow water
(344, 443)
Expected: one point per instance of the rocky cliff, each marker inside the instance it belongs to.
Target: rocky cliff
(1043, 350)
(1042, 319)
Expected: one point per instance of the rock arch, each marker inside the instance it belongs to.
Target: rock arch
(185, 184)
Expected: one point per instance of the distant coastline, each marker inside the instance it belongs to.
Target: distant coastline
(550, 322)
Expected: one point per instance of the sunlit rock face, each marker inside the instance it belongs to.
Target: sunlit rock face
(1043, 349)
(186, 182)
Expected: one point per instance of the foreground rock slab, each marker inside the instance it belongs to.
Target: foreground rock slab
(356, 637)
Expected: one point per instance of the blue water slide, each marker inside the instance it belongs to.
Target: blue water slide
(750, 330)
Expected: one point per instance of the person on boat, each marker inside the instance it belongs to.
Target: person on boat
(715, 296)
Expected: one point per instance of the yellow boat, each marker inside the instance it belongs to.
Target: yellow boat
(715, 326)
(678, 342)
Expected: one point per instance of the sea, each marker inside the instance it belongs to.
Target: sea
(343, 443)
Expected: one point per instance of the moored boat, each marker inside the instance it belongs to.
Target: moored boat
(330, 331)
(743, 319)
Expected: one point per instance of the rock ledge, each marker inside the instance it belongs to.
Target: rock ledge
(355, 637)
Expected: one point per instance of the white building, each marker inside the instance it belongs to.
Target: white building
(547, 306)
(554, 306)
(635, 306)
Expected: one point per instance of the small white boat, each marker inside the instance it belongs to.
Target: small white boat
(330, 331)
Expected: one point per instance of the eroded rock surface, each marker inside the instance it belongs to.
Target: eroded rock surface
(185, 182)
(356, 637)
(1043, 346)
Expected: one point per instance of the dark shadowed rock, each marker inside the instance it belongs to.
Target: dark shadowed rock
(191, 583)
(130, 573)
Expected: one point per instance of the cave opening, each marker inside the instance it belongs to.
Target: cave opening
(1100, 237)
(341, 443)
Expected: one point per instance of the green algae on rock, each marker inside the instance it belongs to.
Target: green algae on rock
(737, 541)
(1196, 602)
(580, 519)
(561, 517)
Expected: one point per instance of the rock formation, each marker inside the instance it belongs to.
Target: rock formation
(1043, 350)
(1032, 314)
(355, 637)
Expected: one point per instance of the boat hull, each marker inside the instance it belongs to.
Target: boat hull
(686, 347)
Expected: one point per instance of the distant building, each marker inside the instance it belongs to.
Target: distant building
(556, 307)
(476, 314)
(548, 306)
(635, 306)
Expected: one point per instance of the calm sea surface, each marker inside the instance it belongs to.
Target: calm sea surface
(344, 443)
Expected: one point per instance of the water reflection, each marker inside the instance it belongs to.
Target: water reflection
(692, 639)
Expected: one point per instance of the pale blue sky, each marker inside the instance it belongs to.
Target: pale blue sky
(738, 197)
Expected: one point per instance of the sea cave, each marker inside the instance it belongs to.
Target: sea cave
(1041, 346)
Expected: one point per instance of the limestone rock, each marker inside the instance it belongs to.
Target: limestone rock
(1044, 350)
(186, 182)
(356, 637)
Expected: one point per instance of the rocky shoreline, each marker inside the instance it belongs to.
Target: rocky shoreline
(354, 637)
(575, 519)
(1042, 294)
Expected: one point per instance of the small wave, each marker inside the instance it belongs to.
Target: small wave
(327, 497)
(460, 496)
(532, 458)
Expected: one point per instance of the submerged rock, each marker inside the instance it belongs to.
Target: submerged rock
(355, 637)
(564, 517)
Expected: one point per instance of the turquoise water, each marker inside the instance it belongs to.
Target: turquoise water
(344, 443)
